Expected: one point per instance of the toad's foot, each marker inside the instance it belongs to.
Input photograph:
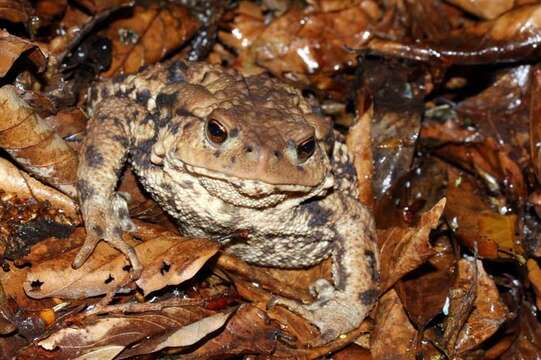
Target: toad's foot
(107, 220)
(334, 312)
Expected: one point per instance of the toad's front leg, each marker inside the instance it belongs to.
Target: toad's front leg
(341, 308)
(102, 156)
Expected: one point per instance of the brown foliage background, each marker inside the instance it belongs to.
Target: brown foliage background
(439, 102)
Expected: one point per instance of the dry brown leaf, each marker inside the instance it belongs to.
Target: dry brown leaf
(249, 326)
(147, 36)
(293, 283)
(185, 336)
(68, 123)
(298, 327)
(15, 10)
(167, 260)
(487, 9)
(16, 182)
(28, 139)
(13, 47)
(359, 143)
(393, 336)
(47, 249)
(404, 249)
(106, 337)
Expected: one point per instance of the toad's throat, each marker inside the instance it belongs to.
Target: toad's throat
(237, 191)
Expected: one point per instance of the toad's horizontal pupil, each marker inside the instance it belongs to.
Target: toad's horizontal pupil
(216, 132)
(215, 129)
(307, 147)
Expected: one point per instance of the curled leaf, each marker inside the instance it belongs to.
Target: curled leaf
(17, 182)
(13, 47)
(28, 139)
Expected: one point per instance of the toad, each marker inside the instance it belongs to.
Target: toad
(223, 154)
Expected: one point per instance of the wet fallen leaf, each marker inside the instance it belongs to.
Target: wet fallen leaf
(461, 302)
(395, 91)
(473, 220)
(404, 249)
(394, 335)
(500, 111)
(488, 313)
(527, 343)
(424, 291)
(295, 45)
(510, 37)
(147, 36)
(535, 123)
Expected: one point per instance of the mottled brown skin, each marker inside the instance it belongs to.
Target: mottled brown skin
(297, 210)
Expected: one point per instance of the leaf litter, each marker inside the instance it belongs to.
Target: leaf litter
(439, 103)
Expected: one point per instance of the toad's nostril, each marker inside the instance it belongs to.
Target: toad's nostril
(248, 148)
(277, 154)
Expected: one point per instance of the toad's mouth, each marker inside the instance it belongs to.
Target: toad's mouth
(235, 190)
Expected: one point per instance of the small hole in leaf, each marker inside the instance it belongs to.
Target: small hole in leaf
(36, 284)
(165, 268)
(127, 268)
(109, 279)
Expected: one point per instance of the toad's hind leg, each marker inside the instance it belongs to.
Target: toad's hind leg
(102, 156)
(341, 308)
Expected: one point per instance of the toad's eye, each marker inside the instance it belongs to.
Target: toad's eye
(305, 149)
(216, 132)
